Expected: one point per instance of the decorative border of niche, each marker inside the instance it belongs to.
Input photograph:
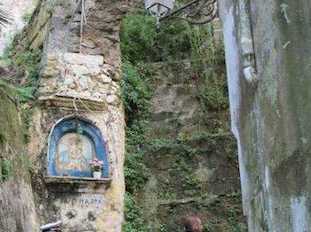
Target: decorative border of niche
(87, 128)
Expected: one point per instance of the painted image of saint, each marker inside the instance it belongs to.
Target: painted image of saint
(74, 152)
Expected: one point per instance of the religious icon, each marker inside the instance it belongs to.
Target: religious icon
(74, 152)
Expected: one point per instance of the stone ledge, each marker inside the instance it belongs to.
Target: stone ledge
(75, 180)
(203, 201)
(72, 103)
(82, 59)
(60, 184)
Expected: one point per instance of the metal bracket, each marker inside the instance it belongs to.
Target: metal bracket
(247, 43)
(195, 12)
(51, 226)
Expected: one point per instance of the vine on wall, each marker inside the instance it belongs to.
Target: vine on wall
(141, 44)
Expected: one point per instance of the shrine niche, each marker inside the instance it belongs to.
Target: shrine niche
(74, 143)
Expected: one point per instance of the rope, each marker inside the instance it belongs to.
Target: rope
(82, 102)
(83, 21)
(86, 107)
(74, 105)
(83, 18)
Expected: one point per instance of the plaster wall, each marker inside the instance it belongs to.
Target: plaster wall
(270, 118)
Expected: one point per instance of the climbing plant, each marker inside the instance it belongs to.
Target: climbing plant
(19, 80)
(135, 91)
(26, 63)
(207, 59)
(136, 95)
(138, 34)
(142, 44)
(13, 160)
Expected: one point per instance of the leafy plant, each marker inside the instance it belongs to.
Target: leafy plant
(6, 168)
(142, 42)
(135, 91)
(138, 34)
(27, 17)
(207, 59)
(133, 216)
(136, 96)
(17, 166)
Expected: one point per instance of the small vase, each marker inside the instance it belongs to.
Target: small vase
(97, 174)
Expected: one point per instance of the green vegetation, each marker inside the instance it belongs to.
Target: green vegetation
(18, 83)
(138, 35)
(16, 166)
(175, 41)
(135, 91)
(26, 65)
(133, 216)
(142, 44)
(136, 96)
(230, 214)
(207, 59)
(23, 62)
(13, 161)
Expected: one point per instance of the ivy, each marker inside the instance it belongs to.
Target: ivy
(138, 34)
(135, 91)
(142, 44)
(6, 168)
(207, 61)
(136, 96)
(133, 216)
(26, 63)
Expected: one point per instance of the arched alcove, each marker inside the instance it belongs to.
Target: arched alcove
(73, 143)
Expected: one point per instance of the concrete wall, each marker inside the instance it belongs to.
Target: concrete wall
(270, 116)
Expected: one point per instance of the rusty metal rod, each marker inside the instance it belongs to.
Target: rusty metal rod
(180, 9)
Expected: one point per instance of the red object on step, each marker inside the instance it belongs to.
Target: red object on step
(192, 224)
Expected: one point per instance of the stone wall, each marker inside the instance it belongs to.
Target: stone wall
(17, 211)
(270, 117)
(190, 155)
(79, 77)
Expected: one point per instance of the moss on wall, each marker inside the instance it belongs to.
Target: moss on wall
(13, 160)
(18, 83)
(17, 212)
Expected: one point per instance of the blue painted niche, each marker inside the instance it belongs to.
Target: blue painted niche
(74, 142)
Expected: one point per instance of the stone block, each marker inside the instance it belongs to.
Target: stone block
(81, 59)
(104, 79)
(112, 99)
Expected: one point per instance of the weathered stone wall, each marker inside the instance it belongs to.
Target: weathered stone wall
(18, 212)
(191, 155)
(80, 76)
(17, 209)
(271, 118)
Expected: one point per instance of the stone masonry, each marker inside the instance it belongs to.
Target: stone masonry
(80, 77)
